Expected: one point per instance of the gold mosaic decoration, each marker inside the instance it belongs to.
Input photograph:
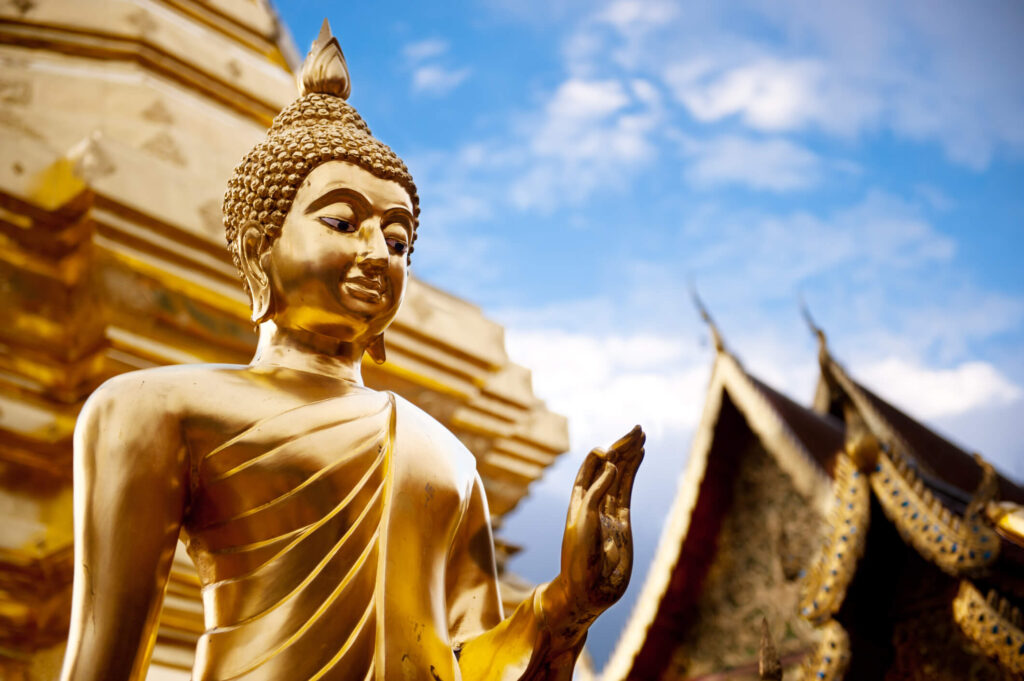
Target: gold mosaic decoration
(825, 584)
(832, 656)
(993, 624)
(747, 580)
(956, 545)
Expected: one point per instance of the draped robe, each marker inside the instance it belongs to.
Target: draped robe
(349, 538)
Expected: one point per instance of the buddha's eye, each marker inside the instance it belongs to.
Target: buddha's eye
(398, 246)
(338, 225)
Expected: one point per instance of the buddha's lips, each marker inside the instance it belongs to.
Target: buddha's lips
(371, 285)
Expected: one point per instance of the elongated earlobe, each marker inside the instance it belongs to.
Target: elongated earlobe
(252, 249)
(261, 307)
(376, 350)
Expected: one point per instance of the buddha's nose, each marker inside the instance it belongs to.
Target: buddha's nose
(374, 252)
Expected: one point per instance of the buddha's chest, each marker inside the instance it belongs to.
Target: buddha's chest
(316, 478)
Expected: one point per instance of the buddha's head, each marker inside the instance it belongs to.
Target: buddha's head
(320, 217)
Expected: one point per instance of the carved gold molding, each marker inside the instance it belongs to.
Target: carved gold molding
(992, 623)
(825, 584)
(956, 545)
(832, 656)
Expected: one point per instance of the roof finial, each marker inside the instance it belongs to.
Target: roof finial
(815, 329)
(325, 70)
(716, 337)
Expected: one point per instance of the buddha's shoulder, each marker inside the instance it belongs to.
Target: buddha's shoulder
(169, 389)
(419, 429)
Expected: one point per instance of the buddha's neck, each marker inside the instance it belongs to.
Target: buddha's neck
(309, 352)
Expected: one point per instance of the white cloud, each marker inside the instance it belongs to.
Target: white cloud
(875, 240)
(930, 393)
(772, 164)
(934, 197)
(768, 94)
(627, 15)
(437, 80)
(992, 430)
(425, 49)
(429, 76)
(579, 99)
(606, 383)
(588, 137)
(847, 69)
(772, 94)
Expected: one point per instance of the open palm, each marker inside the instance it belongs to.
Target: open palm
(597, 548)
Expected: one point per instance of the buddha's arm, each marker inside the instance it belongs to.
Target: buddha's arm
(532, 643)
(130, 471)
(545, 634)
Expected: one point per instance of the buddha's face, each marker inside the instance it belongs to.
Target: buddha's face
(338, 268)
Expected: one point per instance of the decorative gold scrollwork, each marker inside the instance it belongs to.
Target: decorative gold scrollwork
(992, 623)
(830, 660)
(956, 545)
(825, 584)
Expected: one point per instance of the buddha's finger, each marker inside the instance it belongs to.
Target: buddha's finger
(627, 475)
(589, 468)
(627, 443)
(600, 488)
(628, 463)
(584, 478)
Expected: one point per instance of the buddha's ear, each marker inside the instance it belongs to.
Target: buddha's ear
(252, 246)
(376, 349)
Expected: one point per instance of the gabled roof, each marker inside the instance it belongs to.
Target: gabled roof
(939, 499)
(951, 473)
(803, 443)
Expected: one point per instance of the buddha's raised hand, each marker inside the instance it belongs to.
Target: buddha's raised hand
(597, 548)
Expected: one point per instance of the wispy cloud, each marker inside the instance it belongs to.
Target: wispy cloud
(578, 99)
(880, 238)
(437, 80)
(429, 75)
(772, 94)
(932, 393)
(425, 49)
(771, 164)
(846, 71)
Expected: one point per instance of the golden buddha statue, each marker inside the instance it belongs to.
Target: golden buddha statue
(338, 532)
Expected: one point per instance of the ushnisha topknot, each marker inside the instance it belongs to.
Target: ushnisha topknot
(317, 127)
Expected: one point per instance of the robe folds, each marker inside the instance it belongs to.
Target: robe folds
(350, 539)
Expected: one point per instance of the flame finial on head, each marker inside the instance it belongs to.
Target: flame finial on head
(319, 126)
(325, 70)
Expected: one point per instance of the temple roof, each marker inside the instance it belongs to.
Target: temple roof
(950, 471)
(804, 445)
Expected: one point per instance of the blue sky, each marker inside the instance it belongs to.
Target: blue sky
(579, 163)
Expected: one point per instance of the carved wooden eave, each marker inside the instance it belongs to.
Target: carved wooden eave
(923, 469)
(993, 623)
(951, 473)
(802, 443)
(941, 501)
(121, 121)
(829, 577)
